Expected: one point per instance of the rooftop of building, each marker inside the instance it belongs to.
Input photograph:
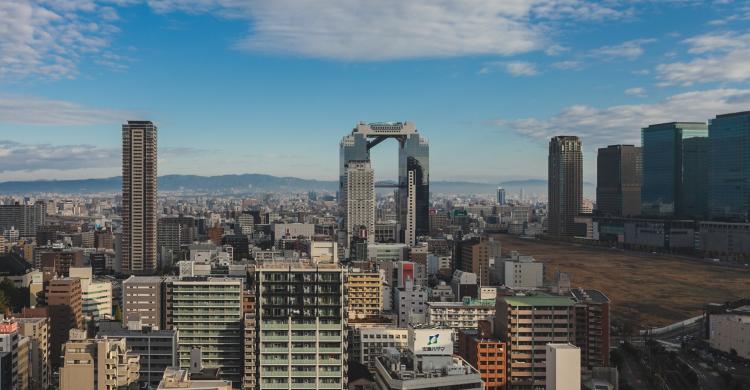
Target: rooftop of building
(176, 378)
(465, 303)
(589, 295)
(12, 264)
(673, 124)
(401, 366)
(741, 113)
(536, 298)
(143, 279)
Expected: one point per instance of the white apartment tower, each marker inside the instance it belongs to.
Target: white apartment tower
(359, 198)
(139, 197)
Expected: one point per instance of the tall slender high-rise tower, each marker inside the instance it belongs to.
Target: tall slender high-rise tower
(618, 181)
(565, 184)
(359, 199)
(139, 197)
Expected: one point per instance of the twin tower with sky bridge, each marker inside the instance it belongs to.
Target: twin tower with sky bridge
(357, 181)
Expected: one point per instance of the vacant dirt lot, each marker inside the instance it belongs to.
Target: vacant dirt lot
(645, 289)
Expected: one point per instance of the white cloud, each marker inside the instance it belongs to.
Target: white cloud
(514, 68)
(32, 157)
(621, 124)
(628, 50)
(364, 30)
(40, 111)
(636, 91)
(720, 57)
(48, 38)
(568, 65)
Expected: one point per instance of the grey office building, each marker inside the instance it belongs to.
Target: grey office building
(565, 184)
(618, 181)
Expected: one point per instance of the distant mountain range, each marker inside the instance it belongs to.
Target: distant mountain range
(250, 183)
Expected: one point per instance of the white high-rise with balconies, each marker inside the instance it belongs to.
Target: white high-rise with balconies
(359, 199)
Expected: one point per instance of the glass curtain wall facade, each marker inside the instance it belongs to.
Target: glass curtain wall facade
(729, 137)
(663, 169)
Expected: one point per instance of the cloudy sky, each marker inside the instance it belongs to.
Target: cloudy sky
(271, 86)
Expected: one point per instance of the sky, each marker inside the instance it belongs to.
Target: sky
(271, 86)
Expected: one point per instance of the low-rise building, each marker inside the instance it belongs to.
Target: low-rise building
(729, 332)
(522, 272)
(98, 364)
(368, 342)
(177, 378)
(563, 367)
(428, 363)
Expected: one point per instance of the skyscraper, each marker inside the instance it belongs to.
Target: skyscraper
(664, 171)
(618, 181)
(729, 137)
(359, 198)
(500, 196)
(139, 197)
(413, 170)
(26, 219)
(565, 184)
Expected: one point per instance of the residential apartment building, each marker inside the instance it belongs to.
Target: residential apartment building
(143, 300)
(476, 257)
(249, 326)
(365, 294)
(460, 315)
(485, 353)
(592, 327)
(301, 325)
(157, 349)
(98, 364)
(527, 323)
(207, 313)
(37, 329)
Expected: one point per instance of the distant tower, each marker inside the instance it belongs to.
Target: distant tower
(500, 196)
(139, 197)
(565, 184)
(359, 199)
(618, 181)
(413, 197)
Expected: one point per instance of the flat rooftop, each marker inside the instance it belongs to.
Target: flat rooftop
(539, 299)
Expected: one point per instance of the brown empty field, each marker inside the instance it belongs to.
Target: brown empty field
(645, 289)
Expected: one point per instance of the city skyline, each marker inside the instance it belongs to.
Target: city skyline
(251, 85)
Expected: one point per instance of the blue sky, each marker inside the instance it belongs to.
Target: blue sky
(271, 86)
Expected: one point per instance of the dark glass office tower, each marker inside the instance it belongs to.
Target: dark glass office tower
(695, 183)
(664, 170)
(618, 181)
(414, 186)
(729, 194)
(565, 184)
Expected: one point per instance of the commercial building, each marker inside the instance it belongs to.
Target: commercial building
(176, 378)
(460, 315)
(565, 184)
(96, 295)
(365, 294)
(207, 313)
(301, 325)
(664, 168)
(98, 364)
(174, 232)
(368, 341)
(729, 194)
(410, 304)
(37, 330)
(477, 256)
(24, 219)
(522, 272)
(359, 201)
(143, 300)
(464, 284)
(723, 239)
(157, 348)
(9, 340)
(24, 361)
(413, 198)
(64, 299)
(485, 353)
(428, 363)
(139, 217)
(527, 323)
(618, 181)
(729, 331)
(563, 367)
